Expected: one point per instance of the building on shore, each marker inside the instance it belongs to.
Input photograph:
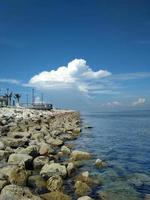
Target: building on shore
(3, 101)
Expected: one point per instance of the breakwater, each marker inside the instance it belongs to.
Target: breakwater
(35, 160)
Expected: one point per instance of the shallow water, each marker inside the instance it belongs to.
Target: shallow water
(123, 140)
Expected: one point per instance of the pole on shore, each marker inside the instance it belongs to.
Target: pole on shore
(33, 97)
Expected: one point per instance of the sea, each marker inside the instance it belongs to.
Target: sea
(122, 140)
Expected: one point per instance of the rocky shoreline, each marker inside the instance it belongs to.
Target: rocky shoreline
(36, 163)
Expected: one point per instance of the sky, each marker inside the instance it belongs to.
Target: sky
(80, 54)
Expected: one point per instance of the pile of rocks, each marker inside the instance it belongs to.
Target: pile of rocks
(35, 162)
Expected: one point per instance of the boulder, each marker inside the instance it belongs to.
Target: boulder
(147, 197)
(45, 149)
(3, 183)
(37, 183)
(21, 158)
(65, 150)
(56, 195)
(52, 169)
(2, 146)
(55, 142)
(100, 163)
(82, 189)
(15, 142)
(40, 161)
(18, 175)
(4, 155)
(80, 155)
(85, 198)
(31, 150)
(54, 183)
(70, 168)
(14, 192)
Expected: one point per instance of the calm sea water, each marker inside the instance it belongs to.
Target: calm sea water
(123, 140)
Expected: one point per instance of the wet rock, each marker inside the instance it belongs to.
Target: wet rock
(40, 161)
(65, 150)
(100, 163)
(147, 197)
(37, 183)
(21, 158)
(14, 192)
(139, 179)
(54, 183)
(85, 198)
(119, 190)
(56, 195)
(82, 189)
(70, 168)
(85, 178)
(80, 155)
(52, 169)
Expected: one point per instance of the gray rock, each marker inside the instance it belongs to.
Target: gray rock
(40, 161)
(85, 198)
(65, 150)
(2, 146)
(80, 155)
(52, 169)
(14, 192)
(37, 183)
(21, 158)
(55, 183)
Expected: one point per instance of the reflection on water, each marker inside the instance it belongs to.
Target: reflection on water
(123, 140)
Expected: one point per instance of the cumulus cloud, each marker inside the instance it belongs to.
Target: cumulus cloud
(77, 74)
(140, 101)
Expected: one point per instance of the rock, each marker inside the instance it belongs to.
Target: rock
(2, 146)
(45, 149)
(54, 183)
(15, 143)
(52, 169)
(31, 150)
(85, 198)
(80, 155)
(139, 179)
(100, 163)
(56, 195)
(147, 197)
(3, 183)
(65, 150)
(14, 192)
(4, 155)
(55, 142)
(70, 168)
(37, 183)
(18, 176)
(40, 161)
(21, 158)
(85, 178)
(21, 134)
(82, 189)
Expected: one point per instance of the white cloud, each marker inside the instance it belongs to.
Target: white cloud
(130, 76)
(77, 74)
(112, 104)
(7, 80)
(140, 101)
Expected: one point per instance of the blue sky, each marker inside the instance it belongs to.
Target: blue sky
(108, 35)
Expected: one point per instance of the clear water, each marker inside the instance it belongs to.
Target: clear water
(123, 140)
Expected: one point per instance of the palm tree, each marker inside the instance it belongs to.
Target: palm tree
(17, 97)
